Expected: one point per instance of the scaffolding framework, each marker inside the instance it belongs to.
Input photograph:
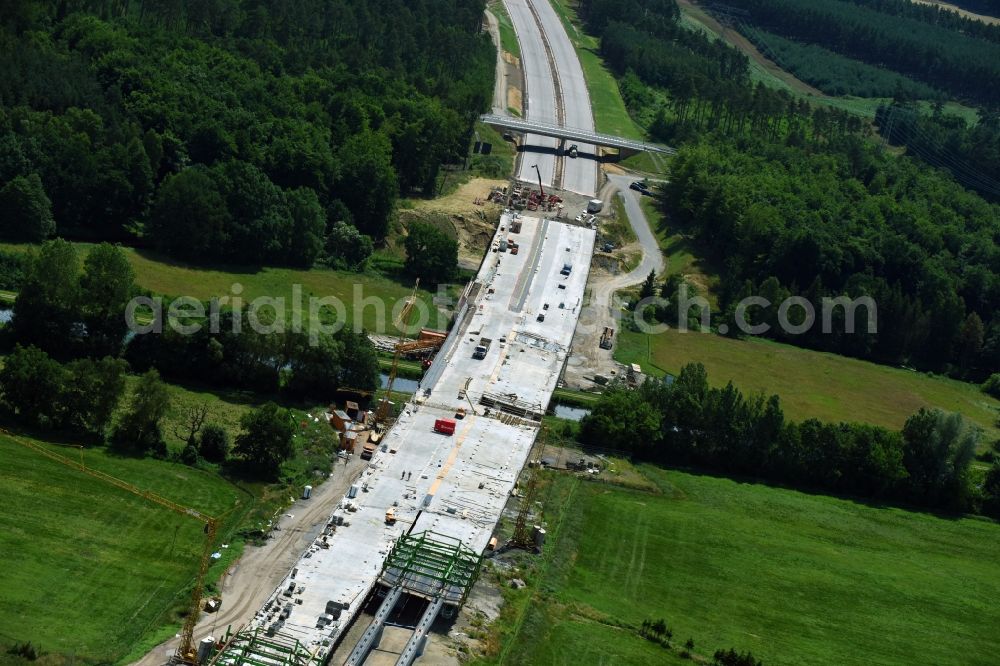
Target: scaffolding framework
(432, 565)
(255, 648)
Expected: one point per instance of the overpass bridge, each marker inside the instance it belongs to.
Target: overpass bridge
(625, 147)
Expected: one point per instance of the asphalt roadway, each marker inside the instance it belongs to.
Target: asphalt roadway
(579, 174)
(540, 32)
(539, 93)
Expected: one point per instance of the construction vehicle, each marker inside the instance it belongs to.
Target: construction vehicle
(606, 337)
(390, 516)
(368, 450)
(479, 352)
(539, 172)
(187, 652)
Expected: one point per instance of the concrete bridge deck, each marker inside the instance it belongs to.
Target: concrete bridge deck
(455, 485)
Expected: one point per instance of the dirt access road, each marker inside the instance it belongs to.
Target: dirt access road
(587, 359)
(248, 583)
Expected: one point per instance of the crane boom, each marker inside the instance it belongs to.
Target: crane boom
(540, 188)
(402, 321)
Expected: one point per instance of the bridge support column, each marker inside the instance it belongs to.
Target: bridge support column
(415, 646)
(373, 634)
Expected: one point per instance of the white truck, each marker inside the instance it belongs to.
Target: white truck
(484, 346)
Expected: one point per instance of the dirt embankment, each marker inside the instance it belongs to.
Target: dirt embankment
(249, 582)
(464, 214)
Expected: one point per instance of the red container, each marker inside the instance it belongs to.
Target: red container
(445, 426)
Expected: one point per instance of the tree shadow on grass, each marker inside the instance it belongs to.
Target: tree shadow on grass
(868, 502)
(235, 269)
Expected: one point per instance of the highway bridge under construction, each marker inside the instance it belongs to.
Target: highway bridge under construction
(415, 526)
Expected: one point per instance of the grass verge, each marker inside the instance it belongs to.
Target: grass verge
(610, 114)
(508, 38)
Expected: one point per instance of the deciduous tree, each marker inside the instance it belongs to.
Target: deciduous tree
(25, 210)
(431, 254)
(140, 429)
(266, 439)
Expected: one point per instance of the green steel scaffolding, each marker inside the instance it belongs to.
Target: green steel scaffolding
(256, 648)
(432, 565)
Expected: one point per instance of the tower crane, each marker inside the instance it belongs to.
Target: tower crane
(382, 411)
(186, 651)
(404, 347)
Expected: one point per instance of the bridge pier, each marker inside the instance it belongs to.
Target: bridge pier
(373, 634)
(415, 646)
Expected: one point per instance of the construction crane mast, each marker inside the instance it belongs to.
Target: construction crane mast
(404, 347)
(186, 651)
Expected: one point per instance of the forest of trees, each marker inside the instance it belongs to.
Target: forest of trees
(687, 422)
(970, 154)
(943, 16)
(787, 198)
(781, 220)
(707, 81)
(959, 63)
(71, 309)
(231, 130)
(833, 73)
(264, 363)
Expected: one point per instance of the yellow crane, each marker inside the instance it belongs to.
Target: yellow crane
(186, 651)
(409, 346)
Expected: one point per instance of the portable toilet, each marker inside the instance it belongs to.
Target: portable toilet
(307, 492)
(205, 649)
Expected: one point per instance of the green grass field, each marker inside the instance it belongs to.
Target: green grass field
(90, 569)
(811, 384)
(795, 578)
(164, 276)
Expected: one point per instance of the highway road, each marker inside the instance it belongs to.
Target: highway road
(539, 94)
(580, 174)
